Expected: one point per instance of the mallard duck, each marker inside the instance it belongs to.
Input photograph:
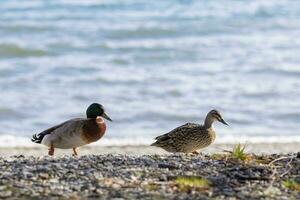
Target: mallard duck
(190, 137)
(75, 132)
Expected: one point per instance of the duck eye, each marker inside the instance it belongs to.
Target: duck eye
(217, 116)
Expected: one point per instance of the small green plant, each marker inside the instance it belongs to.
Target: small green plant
(152, 186)
(292, 184)
(217, 156)
(239, 153)
(193, 182)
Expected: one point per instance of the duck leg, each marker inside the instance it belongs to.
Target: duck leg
(51, 150)
(75, 152)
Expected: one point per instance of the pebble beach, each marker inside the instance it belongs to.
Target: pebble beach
(151, 176)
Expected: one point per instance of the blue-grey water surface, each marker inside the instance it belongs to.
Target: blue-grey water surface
(154, 65)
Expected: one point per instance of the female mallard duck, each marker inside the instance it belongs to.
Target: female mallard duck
(190, 137)
(75, 132)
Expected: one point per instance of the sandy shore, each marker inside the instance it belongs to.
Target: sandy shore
(258, 148)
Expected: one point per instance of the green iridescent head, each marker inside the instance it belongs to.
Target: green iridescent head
(95, 110)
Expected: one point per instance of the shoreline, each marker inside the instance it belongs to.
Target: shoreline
(257, 148)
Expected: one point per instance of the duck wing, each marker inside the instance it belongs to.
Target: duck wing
(38, 137)
(178, 132)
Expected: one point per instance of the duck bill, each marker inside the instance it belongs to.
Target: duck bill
(107, 117)
(223, 122)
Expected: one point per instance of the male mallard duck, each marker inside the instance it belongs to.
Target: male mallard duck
(190, 137)
(75, 132)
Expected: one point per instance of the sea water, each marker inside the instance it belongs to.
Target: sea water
(154, 65)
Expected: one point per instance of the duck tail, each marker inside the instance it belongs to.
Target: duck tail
(38, 137)
(154, 144)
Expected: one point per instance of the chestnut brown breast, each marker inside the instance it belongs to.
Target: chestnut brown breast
(93, 130)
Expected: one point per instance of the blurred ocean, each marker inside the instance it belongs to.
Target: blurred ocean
(154, 65)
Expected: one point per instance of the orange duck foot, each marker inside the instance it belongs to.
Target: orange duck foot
(75, 152)
(51, 150)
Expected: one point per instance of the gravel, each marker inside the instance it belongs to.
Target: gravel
(148, 177)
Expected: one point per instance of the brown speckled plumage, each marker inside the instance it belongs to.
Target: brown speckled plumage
(190, 137)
